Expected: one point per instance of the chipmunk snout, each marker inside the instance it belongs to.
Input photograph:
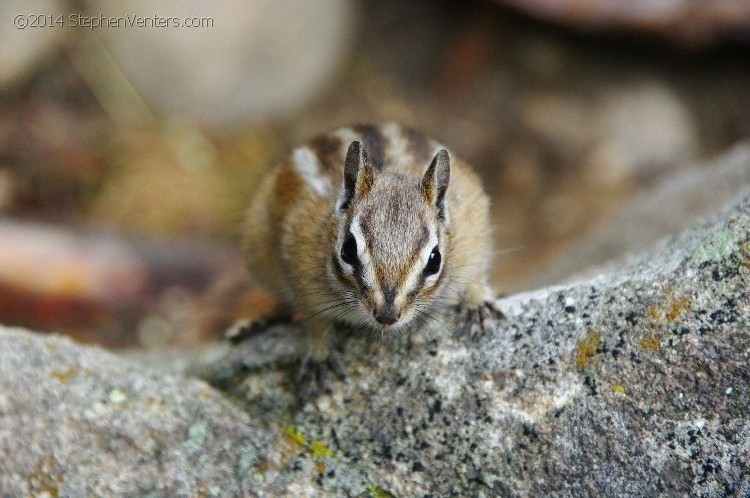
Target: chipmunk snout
(386, 311)
(386, 315)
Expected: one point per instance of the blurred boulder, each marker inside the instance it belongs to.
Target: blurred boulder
(29, 32)
(640, 128)
(247, 61)
(663, 209)
(627, 131)
(693, 23)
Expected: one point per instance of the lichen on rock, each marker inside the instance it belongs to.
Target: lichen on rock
(632, 383)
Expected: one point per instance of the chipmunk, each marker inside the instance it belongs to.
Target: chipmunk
(374, 227)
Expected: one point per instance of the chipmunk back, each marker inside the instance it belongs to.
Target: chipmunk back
(377, 227)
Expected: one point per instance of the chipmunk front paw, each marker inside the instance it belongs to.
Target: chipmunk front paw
(316, 376)
(475, 322)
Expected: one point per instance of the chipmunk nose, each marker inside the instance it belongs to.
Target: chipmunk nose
(387, 315)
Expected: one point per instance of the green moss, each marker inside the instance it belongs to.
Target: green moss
(295, 435)
(198, 432)
(717, 248)
(117, 396)
(378, 492)
(320, 450)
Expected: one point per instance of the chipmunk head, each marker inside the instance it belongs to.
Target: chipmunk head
(389, 255)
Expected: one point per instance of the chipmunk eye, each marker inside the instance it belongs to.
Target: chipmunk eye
(349, 250)
(433, 263)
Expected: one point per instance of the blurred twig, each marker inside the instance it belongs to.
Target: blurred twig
(111, 88)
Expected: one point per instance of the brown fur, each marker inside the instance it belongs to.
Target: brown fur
(293, 229)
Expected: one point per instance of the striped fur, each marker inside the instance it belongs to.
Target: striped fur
(300, 218)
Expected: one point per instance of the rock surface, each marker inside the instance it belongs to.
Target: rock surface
(694, 23)
(666, 208)
(633, 383)
(79, 421)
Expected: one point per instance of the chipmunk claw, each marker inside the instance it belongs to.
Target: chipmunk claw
(477, 322)
(316, 376)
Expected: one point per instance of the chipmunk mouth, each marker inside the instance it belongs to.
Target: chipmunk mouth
(386, 318)
(402, 322)
(389, 328)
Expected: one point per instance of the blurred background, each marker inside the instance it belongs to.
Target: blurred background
(133, 133)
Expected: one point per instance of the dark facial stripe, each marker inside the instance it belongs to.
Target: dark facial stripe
(328, 148)
(357, 273)
(339, 272)
(430, 291)
(389, 295)
(417, 288)
(374, 144)
(360, 280)
(419, 146)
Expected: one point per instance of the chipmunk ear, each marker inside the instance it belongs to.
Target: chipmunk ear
(435, 182)
(358, 175)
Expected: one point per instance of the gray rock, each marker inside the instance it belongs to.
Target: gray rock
(692, 23)
(78, 421)
(641, 128)
(633, 130)
(634, 383)
(666, 208)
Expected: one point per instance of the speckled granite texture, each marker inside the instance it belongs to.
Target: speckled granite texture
(631, 384)
(78, 421)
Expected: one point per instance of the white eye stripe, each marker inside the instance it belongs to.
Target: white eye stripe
(368, 275)
(415, 275)
(356, 230)
(346, 267)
